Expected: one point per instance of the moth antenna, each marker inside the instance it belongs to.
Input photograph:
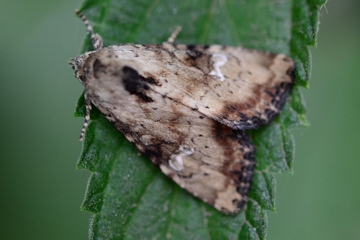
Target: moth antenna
(173, 36)
(87, 118)
(96, 40)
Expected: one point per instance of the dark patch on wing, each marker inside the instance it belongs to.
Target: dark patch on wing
(194, 54)
(291, 72)
(149, 80)
(221, 134)
(136, 84)
(192, 57)
(98, 68)
(239, 116)
(237, 147)
(191, 46)
(241, 204)
(244, 116)
(154, 154)
(284, 89)
(246, 173)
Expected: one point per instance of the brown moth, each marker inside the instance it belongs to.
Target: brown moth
(186, 108)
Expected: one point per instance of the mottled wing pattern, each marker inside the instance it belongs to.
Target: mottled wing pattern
(172, 102)
(251, 86)
(209, 159)
(238, 87)
(186, 107)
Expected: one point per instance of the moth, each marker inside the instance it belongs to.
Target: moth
(186, 108)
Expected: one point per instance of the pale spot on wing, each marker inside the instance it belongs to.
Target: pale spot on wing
(176, 162)
(225, 198)
(219, 60)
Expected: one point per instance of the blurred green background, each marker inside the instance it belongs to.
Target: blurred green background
(40, 190)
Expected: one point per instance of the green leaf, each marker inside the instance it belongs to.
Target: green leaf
(130, 197)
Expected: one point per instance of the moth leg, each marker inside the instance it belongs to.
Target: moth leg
(173, 36)
(96, 40)
(87, 118)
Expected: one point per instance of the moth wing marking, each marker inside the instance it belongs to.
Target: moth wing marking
(209, 159)
(253, 85)
(222, 180)
(218, 61)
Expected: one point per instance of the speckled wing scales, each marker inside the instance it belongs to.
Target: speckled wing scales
(218, 170)
(248, 88)
(208, 159)
(238, 87)
(172, 102)
(186, 108)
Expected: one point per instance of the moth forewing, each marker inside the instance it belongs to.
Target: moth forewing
(186, 108)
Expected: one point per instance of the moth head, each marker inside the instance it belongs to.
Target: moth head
(77, 64)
